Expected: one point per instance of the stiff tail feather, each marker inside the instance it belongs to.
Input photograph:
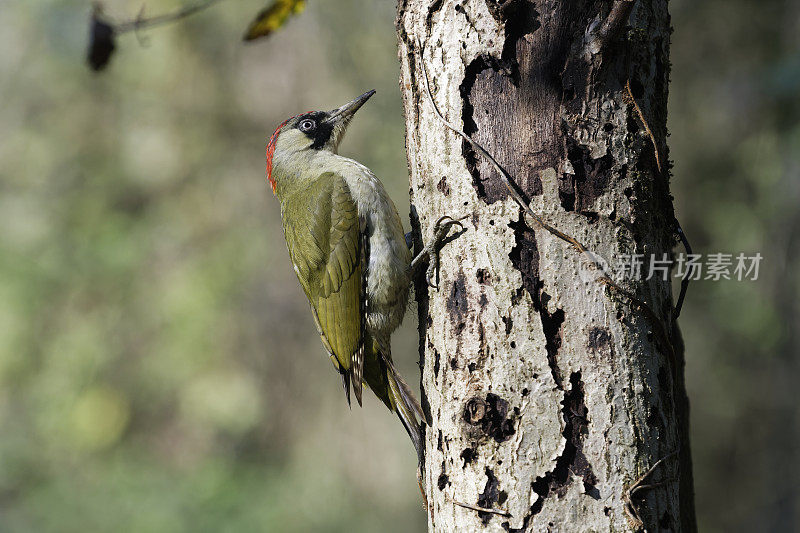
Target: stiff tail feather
(405, 406)
(387, 384)
(404, 390)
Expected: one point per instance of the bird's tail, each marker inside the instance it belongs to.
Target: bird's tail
(384, 380)
(407, 408)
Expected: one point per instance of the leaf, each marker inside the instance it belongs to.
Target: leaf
(273, 17)
(101, 41)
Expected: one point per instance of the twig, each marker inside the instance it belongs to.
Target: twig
(638, 485)
(141, 23)
(481, 509)
(103, 33)
(515, 194)
(506, 178)
(646, 126)
(599, 35)
(421, 484)
(615, 21)
(685, 281)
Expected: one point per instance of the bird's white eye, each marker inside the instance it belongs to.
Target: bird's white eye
(307, 125)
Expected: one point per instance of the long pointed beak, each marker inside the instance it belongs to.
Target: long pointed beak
(346, 112)
(339, 118)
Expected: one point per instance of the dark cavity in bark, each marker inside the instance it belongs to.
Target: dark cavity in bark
(491, 416)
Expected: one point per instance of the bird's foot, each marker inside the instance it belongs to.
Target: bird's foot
(430, 253)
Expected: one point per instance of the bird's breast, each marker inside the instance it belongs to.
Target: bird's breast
(389, 257)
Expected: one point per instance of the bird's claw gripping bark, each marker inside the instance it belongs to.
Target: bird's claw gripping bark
(430, 253)
(440, 231)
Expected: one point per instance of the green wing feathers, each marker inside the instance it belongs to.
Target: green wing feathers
(328, 249)
(323, 233)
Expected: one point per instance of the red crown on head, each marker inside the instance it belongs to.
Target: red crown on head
(271, 149)
(271, 152)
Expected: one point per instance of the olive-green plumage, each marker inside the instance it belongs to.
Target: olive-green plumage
(322, 232)
(347, 246)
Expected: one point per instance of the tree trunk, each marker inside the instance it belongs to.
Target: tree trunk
(548, 393)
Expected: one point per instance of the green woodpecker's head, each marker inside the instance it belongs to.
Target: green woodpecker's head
(305, 135)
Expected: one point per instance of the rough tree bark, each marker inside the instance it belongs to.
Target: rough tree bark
(548, 393)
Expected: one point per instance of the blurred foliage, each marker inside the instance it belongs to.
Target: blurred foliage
(159, 369)
(273, 17)
(103, 32)
(735, 125)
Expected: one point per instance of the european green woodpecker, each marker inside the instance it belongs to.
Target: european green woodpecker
(349, 252)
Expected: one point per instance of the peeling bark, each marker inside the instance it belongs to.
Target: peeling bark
(547, 394)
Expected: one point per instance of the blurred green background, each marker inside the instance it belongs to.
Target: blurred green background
(159, 369)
